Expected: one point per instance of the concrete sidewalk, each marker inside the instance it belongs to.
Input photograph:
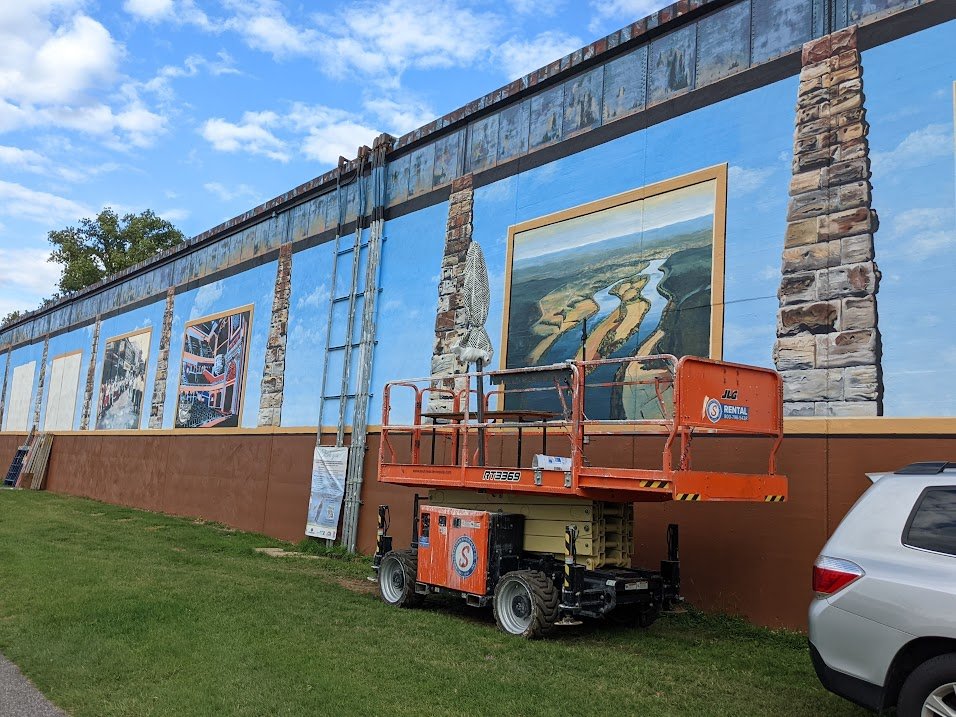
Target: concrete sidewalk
(19, 698)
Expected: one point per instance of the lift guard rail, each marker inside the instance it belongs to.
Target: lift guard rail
(691, 395)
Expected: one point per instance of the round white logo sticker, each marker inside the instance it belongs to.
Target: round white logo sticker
(464, 556)
(714, 410)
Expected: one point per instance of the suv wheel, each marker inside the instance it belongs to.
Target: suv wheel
(930, 690)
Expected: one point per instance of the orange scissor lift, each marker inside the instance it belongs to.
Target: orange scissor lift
(503, 525)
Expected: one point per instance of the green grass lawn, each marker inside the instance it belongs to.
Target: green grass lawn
(112, 611)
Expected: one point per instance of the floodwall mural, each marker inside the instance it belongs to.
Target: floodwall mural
(64, 381)
(889, 153)
(619, 277)
(123, 381)
(212, 371)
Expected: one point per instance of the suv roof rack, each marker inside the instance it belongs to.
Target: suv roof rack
(926, 468)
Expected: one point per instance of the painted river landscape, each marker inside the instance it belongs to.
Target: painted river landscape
(637, 276)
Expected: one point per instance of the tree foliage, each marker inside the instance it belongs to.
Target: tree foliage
(107, 244)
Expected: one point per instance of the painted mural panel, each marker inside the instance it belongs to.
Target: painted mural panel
(215, 352)
(582, 102)
(779, 27)
(670, 64)
(483, 143)
(723, 43)
(547, 117)
(397, 181)
(448, 151)
(514, 124)
(910, 103)
(421, 169)
(63, 382)
(624, 84)
(616, 278)
(858, 9)
(253, 286)
(19, 406)
(123, 381)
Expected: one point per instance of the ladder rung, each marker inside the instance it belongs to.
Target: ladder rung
(337, 397)
(342, 347)
(340, 299)
(348, 250)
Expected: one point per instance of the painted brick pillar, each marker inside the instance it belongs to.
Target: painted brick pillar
(450, 321)
(90, 376)
(40, 382)
(270, 401)
(828, 342)
(162, 364)
(3, 388)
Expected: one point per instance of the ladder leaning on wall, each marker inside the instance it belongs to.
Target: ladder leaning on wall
(357, 258)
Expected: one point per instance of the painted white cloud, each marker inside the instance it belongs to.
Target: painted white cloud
(44, 207)
(206, 296)
(611, 14)
(741, 180)
(917, 149)
(519, 57)
(921, 233)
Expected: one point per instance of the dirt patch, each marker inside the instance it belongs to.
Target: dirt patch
(358, 585)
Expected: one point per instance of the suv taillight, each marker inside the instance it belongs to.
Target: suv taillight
(831, 575)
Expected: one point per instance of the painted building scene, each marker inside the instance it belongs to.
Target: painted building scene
(769, 182)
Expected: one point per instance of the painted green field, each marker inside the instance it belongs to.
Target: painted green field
(113, 611)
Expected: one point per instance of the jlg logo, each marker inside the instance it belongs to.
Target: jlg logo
(729, 395)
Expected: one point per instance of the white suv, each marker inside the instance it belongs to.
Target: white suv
(883, 619)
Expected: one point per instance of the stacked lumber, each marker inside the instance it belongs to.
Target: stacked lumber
(605, 530)
(33, 474)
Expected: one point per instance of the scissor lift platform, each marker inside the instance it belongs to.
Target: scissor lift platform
(693, 396)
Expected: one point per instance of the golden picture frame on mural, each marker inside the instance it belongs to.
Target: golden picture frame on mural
(633, 274)
(212, 373)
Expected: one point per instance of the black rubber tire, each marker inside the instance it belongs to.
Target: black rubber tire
(545, 598)
(922, 681)
(404, 563)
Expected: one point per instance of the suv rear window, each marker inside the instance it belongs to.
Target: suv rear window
(932, 526)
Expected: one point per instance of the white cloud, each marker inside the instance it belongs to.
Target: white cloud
(175, 214)
(519, 57)
(610, 14)
(149, 9)
(59, 68)
(251, 134)
(919, 148)
(243, 191)
(399, 117)
(26, 276)
(19, 201)
(319, 296)
(321, 133)
(741, 180)
(181, 12)
(538, 8)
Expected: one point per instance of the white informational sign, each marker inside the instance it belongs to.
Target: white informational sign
(328, 489)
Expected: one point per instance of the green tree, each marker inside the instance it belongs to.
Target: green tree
(103, 246)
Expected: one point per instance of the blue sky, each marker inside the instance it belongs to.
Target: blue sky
(200, 110)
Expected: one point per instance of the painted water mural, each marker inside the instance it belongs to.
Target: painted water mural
(626, 276)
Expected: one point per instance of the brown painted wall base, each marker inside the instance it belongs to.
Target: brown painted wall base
(749, 559)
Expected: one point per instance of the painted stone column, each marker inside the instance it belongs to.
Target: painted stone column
(3, 388)
(450, 321)
(828, 342)
(90, 376)
(162, 364)
(270, 400)
(40, 382)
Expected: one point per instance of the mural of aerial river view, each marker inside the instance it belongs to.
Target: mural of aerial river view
(630, 279)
